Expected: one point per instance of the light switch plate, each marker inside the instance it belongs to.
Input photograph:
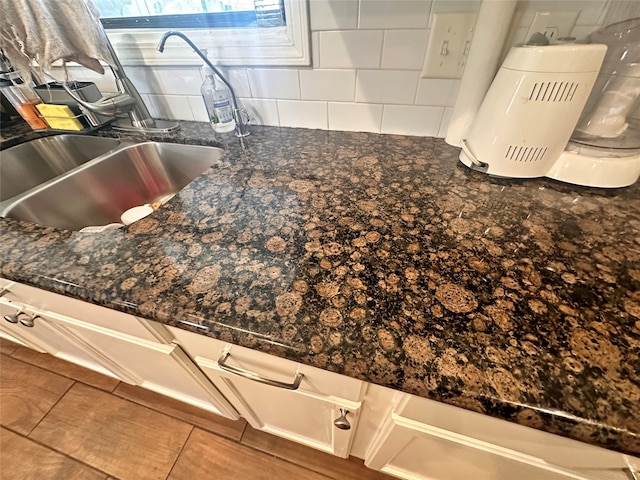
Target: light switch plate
(449, 43)
(553, 25)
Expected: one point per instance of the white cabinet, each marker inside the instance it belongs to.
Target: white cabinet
(412, 450)
(307, 405)
(136, 351)
(163, 368)
(34, 329)
(420, 439)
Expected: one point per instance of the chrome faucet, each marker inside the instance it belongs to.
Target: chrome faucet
(127, 100)
(239, 117)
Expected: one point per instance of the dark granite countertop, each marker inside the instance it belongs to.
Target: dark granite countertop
(383, 258)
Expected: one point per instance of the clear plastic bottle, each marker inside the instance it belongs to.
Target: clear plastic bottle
(24, 100)
(217, 99)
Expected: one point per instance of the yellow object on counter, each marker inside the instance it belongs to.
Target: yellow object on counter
(59, 116)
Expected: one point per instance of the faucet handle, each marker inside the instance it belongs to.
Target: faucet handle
(244, 116)
(242, 121)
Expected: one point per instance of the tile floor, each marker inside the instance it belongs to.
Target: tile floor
(60, 421)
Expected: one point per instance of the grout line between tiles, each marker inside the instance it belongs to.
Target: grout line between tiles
(193, 428)
(52, 406)
(49, 447)
(180, 452)
(326, 111)
(301, 465)
(178, 418)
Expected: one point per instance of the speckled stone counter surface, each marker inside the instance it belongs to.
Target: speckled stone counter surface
(383, 258)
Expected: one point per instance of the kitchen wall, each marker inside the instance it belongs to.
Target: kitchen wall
(366, 73)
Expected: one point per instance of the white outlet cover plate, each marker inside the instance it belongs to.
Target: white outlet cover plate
(449, 42)
(553, 25)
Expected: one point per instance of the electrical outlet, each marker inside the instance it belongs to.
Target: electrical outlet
(553, 25)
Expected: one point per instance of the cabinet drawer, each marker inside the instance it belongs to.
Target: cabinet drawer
(104, 317)
(315, 380)
(44, 337)
(411, 450)
(551, 448)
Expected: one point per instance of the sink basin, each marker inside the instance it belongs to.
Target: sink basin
(32, 163)
(98, 192)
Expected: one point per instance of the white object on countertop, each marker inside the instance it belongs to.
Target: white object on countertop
(531, 109)
(136, 213)
(491, 30)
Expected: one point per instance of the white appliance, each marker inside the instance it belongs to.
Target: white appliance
(523, 127)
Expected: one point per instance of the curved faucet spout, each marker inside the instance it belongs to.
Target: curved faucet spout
(109, 105)
(241, 127)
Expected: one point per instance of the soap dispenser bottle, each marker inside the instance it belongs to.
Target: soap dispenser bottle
(217, 100)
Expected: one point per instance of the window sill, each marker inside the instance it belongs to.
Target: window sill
(277, 46)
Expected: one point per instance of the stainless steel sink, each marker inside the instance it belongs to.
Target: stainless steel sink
(32, 163)
(98, 192)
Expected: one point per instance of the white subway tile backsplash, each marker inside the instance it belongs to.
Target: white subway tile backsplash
(198, 109)
(274, 83)
(238, 79)
(404, 49)
(336, 85)
(411, 120)
(145, 79)
(175, 107)
(386, 86)
(447, 6)
(350, 49)
(355, 117)
(333, 14)
(302, 114)
(179, 80)
(437, 92)
(394, 13)
(444, 124)
(315, 50)
(261, 112)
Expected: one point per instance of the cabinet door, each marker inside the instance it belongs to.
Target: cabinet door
(163, 368)
(267, 397)
(45, 338)
(412, 450)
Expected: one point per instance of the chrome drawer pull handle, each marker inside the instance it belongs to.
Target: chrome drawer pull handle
(29, 322)
(257, 378)
(13, 318)
(341, 422)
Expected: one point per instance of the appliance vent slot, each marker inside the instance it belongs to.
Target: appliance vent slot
(525, 154)
(553, 91)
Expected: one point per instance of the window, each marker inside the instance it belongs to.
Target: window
(191, 14)
(234, 32)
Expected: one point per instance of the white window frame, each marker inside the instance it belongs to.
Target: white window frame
(276, 46)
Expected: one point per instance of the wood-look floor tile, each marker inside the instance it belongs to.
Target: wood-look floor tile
(27, 393)
(23, 459)
(329, 465)
(7, 347)
(114, 435)
(209, 456)
(195, 416)
(66, 369)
